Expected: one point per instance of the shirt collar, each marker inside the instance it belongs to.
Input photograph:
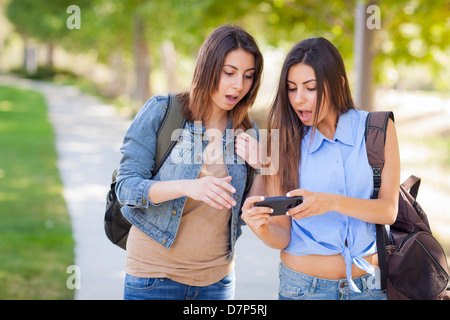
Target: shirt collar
(343, 134)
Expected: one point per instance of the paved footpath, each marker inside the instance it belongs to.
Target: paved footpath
(88, 137)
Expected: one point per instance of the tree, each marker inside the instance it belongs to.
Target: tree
(411, 32)
(46, 24)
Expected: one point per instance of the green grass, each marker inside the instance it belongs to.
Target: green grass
(36, 243)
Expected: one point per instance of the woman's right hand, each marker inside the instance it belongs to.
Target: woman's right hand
(257, 218)
(214, 191)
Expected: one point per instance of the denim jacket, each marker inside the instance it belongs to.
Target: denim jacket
(161, 221)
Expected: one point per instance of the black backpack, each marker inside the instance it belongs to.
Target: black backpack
(413, 264)
(117, 226)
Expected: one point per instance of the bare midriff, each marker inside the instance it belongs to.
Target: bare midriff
(326, 267)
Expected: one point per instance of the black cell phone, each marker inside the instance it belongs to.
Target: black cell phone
(280, 204)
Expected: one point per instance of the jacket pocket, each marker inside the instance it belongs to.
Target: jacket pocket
(182, 150)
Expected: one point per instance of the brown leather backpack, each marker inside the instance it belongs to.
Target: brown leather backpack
(413, 264)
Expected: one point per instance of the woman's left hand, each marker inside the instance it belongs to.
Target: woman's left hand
(248, 148)
(314, 203)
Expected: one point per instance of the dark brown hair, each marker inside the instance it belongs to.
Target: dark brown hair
(323, 57)
(205, 81)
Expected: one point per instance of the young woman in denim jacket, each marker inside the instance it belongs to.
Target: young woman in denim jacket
(328, 242)
(186, 218)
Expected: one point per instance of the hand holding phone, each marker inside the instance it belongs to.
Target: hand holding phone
(280, 204)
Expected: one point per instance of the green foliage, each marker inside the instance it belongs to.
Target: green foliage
(412, 31)
(43, 22)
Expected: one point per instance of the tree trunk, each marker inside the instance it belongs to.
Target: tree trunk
(169, 59)
(30, 57)
(117, 84)
(49, 61)
(141, 61)
(363, 57)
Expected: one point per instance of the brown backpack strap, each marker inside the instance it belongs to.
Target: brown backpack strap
(376, 125)
(412, 184)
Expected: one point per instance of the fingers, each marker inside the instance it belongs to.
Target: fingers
(258, 212)
(222, 197)
(247, 148)
(314, 203)
(211, 202)
(257, 221)
(250, 202)
(225, 184)
(243, 137)
(301, 210)
(241, 146)
(296, 192)
(217, 192)
(252, 214)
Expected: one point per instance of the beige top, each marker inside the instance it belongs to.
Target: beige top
(199, 255)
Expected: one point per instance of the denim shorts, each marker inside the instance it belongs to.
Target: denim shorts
(166, 289)
(299, 286)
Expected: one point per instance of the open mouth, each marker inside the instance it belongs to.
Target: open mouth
(231, 99)
(304, 115)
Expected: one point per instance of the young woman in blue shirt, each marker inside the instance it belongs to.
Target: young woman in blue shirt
(328, 243)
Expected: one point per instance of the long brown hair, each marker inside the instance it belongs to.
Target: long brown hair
(326, 61)
(205, 81)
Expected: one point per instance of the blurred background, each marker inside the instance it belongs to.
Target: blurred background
(396, 52)
(134, 49)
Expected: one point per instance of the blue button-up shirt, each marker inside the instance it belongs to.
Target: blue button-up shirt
(338, 166)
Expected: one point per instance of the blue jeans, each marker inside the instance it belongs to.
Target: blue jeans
(299, 286)
(166, 289)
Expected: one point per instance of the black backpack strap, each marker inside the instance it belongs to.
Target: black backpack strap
(375, 135)
(173, 120)
(382, 256)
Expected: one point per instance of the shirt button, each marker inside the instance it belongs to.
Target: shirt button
(143, 201)
(164, 241)
(174, 212)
